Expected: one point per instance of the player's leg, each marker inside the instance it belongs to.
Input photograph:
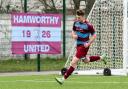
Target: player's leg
(72, 67)
(95, 58)
(79, 54)
(87, 59)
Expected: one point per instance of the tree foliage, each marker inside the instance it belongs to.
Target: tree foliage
(89, 4)
(48, 6)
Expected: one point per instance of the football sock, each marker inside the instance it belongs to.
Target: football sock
(68, 72)
(94, 58)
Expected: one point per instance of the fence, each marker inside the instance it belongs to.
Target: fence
(35, 7)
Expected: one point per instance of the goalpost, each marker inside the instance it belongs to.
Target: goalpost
(109, 18)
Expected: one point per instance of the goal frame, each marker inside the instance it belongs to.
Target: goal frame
(122, 71)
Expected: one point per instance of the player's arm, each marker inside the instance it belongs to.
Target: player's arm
(93, 36)
(74, 35)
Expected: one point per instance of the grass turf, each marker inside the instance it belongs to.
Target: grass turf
(74, 82)
(18, 65)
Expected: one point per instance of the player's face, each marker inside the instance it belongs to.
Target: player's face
(79, 18)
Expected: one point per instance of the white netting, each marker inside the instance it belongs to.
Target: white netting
(107, 18)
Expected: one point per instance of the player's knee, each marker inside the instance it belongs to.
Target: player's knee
(86, 61)
(73, 64)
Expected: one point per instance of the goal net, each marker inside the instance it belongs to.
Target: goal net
(109, 18)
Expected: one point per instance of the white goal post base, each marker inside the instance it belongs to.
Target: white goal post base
(100, 72)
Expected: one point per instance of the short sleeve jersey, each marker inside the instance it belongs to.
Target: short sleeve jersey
(83, 31)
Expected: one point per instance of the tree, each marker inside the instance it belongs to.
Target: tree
(89, 4)
(49, 6)
(3, 9)
(76, 4)
(7, 6)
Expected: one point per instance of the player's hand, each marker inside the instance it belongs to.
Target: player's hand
(86, 45)
(75, 37)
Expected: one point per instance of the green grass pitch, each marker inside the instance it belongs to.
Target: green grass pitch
(74, 82)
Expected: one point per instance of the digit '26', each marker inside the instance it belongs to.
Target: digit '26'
(46, 34)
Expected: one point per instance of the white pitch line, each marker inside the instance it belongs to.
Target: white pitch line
(76, 82)
(98, 82)
(28, 81)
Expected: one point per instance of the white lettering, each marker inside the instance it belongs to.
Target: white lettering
(52, 20)
(25, 48)
(38, 19)
(43, 19)
(15, 19)
(36, 48)
(21, 20)
(35, 19)
(56, 20)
